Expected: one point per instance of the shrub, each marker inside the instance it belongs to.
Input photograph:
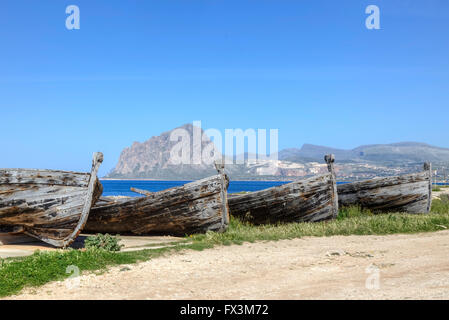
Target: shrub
(103, 241)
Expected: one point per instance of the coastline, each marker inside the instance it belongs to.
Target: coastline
(135, 179)
(115, 179)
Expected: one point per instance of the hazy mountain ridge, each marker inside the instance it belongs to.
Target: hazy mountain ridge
(395, 153)
(150, 160)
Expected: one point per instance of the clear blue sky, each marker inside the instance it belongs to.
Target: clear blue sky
(137, 68)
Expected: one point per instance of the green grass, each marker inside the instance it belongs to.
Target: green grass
(439, 187)
(42, 267)
(441, 206)
(357, 222)
(354, 211)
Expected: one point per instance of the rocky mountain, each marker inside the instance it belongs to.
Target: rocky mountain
(153, 159)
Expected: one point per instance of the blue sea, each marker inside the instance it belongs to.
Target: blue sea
(122, 187)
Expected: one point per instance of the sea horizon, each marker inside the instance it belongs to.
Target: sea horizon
(122, 187)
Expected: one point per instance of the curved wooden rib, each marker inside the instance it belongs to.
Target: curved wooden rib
(49, 205)
(93, 183)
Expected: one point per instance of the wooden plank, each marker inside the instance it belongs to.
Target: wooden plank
(8, 239)
(330, 159)
(306, 200)
(140, 191)
(173, 196)
(46, 177)
(194, 216)
(195, 207)
(53, 207)
(428, 168)
(312, 199)
(409, 193)
(92, 195)
(220, 167)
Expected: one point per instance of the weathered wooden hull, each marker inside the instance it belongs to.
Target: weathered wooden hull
(49, 205)
(195, 207)
(308, 200)
(411, 193)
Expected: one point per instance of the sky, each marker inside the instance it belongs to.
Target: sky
(134, 69)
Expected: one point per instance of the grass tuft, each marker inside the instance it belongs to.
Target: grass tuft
(441, 205)
(45, 266)
(352, 212)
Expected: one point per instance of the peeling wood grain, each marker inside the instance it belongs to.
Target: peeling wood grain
(49, 205)
(330, 159)
(411, 193)
(220, 167)
(44, 177)
(195, 207)
(312, 199)
(428, 168)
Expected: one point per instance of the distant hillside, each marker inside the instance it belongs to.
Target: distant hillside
(394, 154)
(150, 160)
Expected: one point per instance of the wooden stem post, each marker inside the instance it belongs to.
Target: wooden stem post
(428, 168)
(219, 165)
(96, 162)
(330, 159)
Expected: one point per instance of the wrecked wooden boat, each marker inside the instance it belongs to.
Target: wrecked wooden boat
(49, 205)
(312, 199)
(195, 207)
(410, 193)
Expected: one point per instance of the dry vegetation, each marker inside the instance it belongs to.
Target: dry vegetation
(43, 267)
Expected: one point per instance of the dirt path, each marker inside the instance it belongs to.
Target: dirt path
(406, 266)
(437, 194)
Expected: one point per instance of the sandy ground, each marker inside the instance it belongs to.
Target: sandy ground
(437, 194)
(21, 245)
(342, 267)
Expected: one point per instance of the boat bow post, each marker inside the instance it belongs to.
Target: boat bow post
(330, 159)
(96, 162)
(219, 166)
(428, 168)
